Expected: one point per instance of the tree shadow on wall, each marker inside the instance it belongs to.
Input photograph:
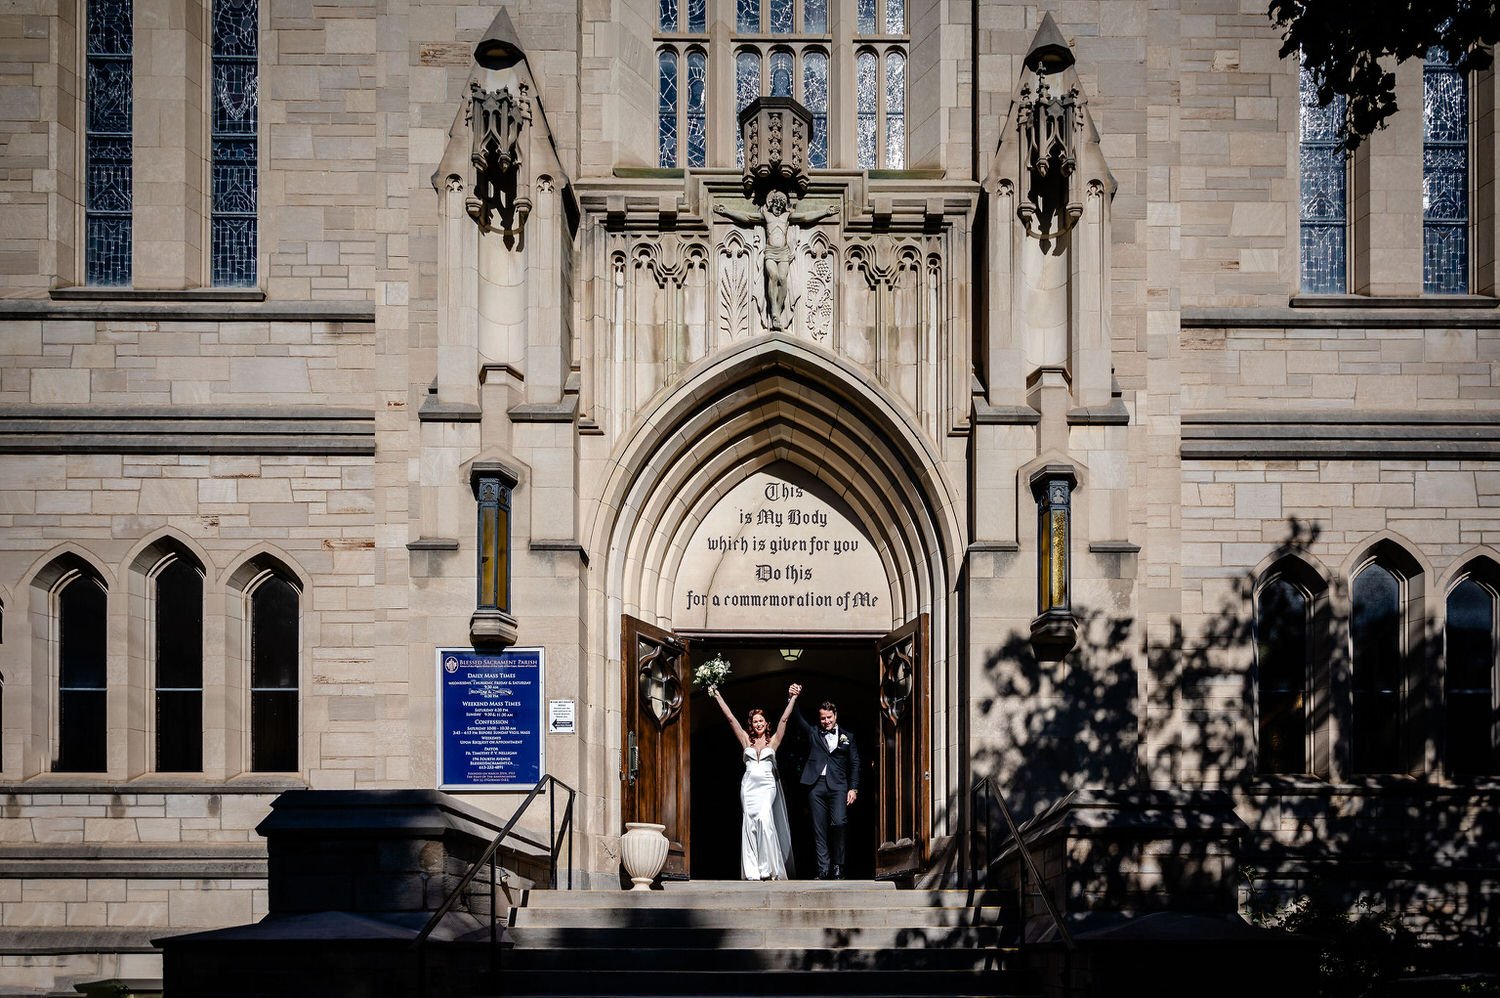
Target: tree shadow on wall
(1148, 715)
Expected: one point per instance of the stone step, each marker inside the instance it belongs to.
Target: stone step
(727, 958)
(776, 983)
(750, 917)
(751, 895)
(862, 937)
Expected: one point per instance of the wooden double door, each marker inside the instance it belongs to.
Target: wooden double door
(656, 764)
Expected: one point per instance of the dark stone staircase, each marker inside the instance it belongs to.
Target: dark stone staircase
(781, 939)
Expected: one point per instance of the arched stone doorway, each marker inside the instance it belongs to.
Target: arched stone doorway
(778, 412)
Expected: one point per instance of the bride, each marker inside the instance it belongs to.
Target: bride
(765, 836)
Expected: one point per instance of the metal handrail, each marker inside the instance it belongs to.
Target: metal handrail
(487, 859)
(985, 783)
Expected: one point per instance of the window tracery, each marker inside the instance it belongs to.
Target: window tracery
(235, 121)
(1445, 177)
(1324, 194)
(107, 143)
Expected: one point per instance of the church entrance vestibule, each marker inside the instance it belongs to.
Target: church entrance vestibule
(684, 766)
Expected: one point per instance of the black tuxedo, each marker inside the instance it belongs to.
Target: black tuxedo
(829, 776)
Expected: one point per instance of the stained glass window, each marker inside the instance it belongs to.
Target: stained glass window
(815, 16)
(235, 117)
(781, 17)
(697, 108)
(895, 17)
(864, 17)
(107, 173)
(815, 99)
(1324, 193)
(1469, 681)
(666, 15)
(781, 73)
(697, 15)
(1445, 178)
(666, 108)
(866, 108)
(746, 89)
(895, 111)
(1377, 670)
(747, 16)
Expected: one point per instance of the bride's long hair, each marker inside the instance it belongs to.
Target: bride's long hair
(750, 722)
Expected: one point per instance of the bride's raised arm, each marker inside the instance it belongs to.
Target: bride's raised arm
(791, 704)
(739, 732)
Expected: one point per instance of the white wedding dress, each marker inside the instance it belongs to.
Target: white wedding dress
(765, 839)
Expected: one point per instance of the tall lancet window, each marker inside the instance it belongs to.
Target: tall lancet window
(107, 153)
(1445, 178)
(235, 117)
(1324, 173)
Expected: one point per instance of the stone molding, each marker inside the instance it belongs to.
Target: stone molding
(1429, 316)
(188, 310)
(1317, 435)
(186, 430)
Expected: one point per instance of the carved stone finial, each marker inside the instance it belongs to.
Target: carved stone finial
(497, 118)
(776, 131)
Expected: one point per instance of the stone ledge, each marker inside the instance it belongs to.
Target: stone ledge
(1005, 415)
(1393, 301)
(186, 430)
(17, 941)
(561, 547)
(157, 294)
(1339, 435)
(137, 869)
(1113, 414)
(54, 784)
(138, 852)
(433, 544)
(189, 310)
(1365, 317)
(1114, 547)
(544, 412)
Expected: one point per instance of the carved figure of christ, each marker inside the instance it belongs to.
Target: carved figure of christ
(777, 217)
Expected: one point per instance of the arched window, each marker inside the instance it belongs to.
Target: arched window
(1283, 655)
(1377, 629)
(815, 99)
(880, 109)
(1469, 687)
(275, 665)
(1445, 177)
(1324, 194)
(781, 73)
(666, 108)
(178, 619)
(682, 108)
(82, 722)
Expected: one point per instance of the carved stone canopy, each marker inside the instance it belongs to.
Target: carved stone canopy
(776, 131)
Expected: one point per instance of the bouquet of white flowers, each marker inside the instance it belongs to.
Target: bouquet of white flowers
(711, 674)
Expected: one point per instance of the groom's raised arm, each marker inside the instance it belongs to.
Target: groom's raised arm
(792, 693)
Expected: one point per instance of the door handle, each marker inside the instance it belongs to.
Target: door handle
(633, 759)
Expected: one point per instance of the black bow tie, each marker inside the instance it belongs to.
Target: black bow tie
(832, 731)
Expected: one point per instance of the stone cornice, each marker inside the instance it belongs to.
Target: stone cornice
(186, 430)
(1289, 434)
(183, 307)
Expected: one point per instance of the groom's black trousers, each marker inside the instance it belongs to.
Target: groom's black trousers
(829, 812)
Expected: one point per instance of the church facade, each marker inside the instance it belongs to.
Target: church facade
(1045, 388)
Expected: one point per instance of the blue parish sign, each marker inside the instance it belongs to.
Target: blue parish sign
(490, 719)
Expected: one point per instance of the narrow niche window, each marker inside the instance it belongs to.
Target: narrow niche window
(235, 120)
(82, 688)
(492, 624)
(1376, 629)
(1470, 683)
(1282, 614)
(275, 665)
(1054, 632)
(108, 160)
(179, 667)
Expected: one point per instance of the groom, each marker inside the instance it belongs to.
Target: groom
(831, 775)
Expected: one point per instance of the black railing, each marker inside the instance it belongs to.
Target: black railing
(986, 792)
(494, 879)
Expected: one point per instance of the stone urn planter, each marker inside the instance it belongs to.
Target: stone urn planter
(643, 849)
